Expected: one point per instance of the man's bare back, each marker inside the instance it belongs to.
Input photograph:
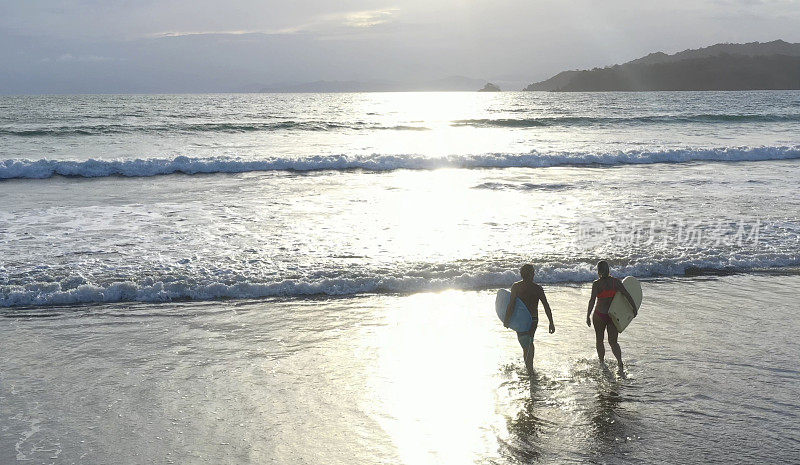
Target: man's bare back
(530, 293)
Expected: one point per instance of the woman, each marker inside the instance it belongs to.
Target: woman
(603, 291)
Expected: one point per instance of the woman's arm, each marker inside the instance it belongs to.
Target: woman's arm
(628, 296)
(591, 304)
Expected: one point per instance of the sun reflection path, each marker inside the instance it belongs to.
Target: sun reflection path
(430, 392)
(449, 385)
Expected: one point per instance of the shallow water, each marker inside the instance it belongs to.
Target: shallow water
(423, 378)
(270, 234)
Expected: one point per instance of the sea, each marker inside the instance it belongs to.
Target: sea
(310, 278)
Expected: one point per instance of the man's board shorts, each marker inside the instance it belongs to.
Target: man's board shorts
(526, 339)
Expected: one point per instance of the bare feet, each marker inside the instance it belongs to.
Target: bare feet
(604, 367)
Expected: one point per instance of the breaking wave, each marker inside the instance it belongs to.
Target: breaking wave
(72, 291)
(44, 168)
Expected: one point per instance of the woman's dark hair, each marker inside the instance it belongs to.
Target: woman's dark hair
(526, 271)
(603, 269)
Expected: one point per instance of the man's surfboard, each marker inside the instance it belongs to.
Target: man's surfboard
(520, 320)
(620, 310)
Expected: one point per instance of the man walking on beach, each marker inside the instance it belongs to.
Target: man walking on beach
(530, 293)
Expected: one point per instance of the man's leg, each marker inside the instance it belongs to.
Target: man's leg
(526, 342)
(528, 355)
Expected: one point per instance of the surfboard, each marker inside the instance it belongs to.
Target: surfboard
(520, 320)
(620, 310)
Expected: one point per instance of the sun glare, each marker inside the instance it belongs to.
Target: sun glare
(431, 399)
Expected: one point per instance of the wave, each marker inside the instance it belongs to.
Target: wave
(70, 292)
(506, 122)
(526, 186)
(293, 125)
(92, 168)
(104, 129)
(610, 120)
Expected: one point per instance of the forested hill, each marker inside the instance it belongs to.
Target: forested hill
(769, 65)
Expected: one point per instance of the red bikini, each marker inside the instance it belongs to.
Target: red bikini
(607, 294)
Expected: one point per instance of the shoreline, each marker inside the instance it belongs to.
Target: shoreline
(377, 378)
(705, 275)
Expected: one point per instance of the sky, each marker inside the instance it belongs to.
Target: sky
(65, 46)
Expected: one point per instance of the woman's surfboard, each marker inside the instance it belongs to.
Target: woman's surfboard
(520, 320)
(620, 310)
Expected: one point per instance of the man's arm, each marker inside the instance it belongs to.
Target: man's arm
(591, 304)
(511, 303)
(548, 312)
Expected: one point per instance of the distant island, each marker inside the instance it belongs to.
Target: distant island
(489, 87)
(751, 66)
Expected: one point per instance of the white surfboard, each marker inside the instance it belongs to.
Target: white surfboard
(620, 310)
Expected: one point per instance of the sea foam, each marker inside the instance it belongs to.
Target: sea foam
(206, 288)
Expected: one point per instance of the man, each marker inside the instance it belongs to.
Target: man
(530, 293)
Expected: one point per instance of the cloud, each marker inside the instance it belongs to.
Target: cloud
(328, 24)
(366, 19)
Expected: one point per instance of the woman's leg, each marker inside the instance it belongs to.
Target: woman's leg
(612, 341)
(599, 330)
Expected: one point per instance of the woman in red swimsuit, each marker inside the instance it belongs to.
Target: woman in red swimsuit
(603, 291)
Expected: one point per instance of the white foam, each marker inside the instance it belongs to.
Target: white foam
(153, 290)
(44, 168)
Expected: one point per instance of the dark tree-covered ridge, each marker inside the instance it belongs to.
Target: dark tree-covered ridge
(752, 66)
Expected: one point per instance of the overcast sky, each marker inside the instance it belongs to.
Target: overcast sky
(204, 45)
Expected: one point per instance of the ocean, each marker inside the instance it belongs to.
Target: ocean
(310, 278)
